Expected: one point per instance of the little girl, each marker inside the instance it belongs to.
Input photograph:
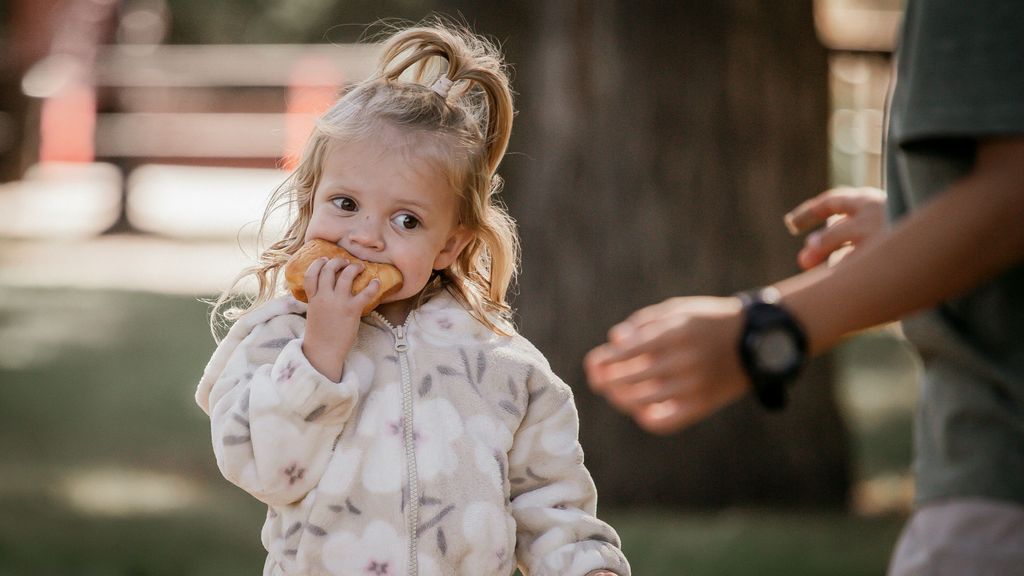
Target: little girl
(427, 437)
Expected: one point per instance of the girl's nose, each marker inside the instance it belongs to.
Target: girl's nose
(367, 233)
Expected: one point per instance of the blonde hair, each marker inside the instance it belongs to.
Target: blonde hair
(467, 130)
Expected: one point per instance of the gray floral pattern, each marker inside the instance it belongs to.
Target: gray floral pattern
(494, 434)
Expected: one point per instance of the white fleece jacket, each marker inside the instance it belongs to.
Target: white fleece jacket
(490, 474)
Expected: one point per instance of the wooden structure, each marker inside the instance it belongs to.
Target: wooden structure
(247, 105)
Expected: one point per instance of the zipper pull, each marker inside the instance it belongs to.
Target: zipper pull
(400, 344)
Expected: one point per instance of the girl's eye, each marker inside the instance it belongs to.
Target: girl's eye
(407, 221)
(345, 203)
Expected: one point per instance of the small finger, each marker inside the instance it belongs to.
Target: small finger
(821, 244)
(851, 201)
(808, 258)
(343, 281)
(594, 368)
(815, 212)
(309, 279)
(802, 219)
(329, 273)
(619, 399)
(369, 292)
(595, 362)
(810, 213)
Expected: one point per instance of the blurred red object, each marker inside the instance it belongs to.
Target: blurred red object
(314, 85)
(68, 125)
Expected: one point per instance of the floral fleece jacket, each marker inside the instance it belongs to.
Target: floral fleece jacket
(489, 473)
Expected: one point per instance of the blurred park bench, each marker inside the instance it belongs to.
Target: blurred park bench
(247, 105)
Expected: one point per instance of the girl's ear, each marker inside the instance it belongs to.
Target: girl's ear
(454, 246)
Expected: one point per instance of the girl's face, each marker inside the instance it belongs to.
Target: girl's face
(384, 202)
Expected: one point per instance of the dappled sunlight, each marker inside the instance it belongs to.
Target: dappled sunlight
(845, 25)
(884, 494)
(199, 227)
(126, 262)
(201, 202)
(61, 200)
(128, 492)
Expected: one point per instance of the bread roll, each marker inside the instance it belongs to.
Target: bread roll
(295, 271)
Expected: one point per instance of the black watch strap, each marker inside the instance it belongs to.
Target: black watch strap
(762, 311)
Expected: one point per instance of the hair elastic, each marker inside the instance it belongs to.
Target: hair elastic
(442, 86)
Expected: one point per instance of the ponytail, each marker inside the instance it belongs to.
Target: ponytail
(471, 62)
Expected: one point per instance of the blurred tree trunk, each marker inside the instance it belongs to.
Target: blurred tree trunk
(661, 144)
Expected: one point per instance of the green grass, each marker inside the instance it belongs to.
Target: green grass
(751, 542)
(41, 535)
(99, 384)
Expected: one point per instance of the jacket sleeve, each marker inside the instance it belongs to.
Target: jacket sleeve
(554, 500)
(274, 418)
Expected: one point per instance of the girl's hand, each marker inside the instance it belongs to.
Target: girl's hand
(332, 318)
(851, 217)
(672, 364)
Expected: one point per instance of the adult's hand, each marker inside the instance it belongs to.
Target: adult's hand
(845, 217)
(672, 364)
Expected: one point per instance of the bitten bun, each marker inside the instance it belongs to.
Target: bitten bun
(295, 271)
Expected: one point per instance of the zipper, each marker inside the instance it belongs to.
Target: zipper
(409, 440)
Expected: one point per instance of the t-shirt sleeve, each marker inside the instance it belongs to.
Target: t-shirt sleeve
(961, 70)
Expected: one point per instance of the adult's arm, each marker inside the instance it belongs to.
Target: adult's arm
(674, 363)
(962, 238)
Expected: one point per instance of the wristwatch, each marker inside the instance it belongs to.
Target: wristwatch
(772, 346)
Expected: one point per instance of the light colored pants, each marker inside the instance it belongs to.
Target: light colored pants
(962, 537)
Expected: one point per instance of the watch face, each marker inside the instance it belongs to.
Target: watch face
(775, 351)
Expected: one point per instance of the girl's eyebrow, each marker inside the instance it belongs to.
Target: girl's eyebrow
(414, 203)
(335, 186)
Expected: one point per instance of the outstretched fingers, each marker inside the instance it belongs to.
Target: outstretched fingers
(643, 347)
(632, 398)
(840, 218)
(676, 367)
(645, 368)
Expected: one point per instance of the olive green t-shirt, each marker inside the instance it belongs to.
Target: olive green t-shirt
(960, 79)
